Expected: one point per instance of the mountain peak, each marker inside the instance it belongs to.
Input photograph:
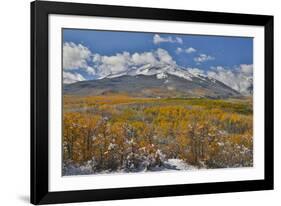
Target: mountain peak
(161, 71)
(166, 81)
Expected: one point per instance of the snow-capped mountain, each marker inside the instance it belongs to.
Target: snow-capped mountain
(160, 71)
(154, 81)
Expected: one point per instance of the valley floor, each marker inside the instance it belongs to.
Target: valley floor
(124, 134)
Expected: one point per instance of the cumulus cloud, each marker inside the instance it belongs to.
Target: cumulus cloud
(190, 50)
(240, 78)
(105, 65)
(75, 56)
(203, 58)
(247, 69)
(69, 77)
(78, 57)
(157, 39)
(164, 57)
(179, 50)
(144, 58)
(122, 62)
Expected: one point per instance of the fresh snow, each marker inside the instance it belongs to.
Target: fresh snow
(87, 168)
(179, 164)
(161, 75)
(161, 72)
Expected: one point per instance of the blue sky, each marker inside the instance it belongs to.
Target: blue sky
(225, 51)
(93, 54)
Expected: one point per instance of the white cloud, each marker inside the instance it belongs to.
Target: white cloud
(69, 77)
(164, 57)
(179, 50)
(247, 69)
(203, 58)
(90, 70)
(144, 58)
(157, 39)
(196, 71)
(122, 62)
(75, 56)
(179, 40)
(240, 78)
(105, 65)
(190, 50)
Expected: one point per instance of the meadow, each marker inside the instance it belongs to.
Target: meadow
(120, 133)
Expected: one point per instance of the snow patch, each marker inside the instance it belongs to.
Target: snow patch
(180, 164)
(88, 167)
(160, 70)
(161, 75)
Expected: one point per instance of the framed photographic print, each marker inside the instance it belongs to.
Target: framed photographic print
(133, 102)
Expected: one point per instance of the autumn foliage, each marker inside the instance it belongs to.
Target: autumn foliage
(113, 133)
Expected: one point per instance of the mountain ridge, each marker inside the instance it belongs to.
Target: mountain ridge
(168, 81)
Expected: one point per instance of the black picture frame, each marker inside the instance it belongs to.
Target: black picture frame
(40, 104)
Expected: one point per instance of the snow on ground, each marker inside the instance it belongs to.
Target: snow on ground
(168, 165)
(179, 164)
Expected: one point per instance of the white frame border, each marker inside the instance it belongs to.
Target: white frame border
(59, 183)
